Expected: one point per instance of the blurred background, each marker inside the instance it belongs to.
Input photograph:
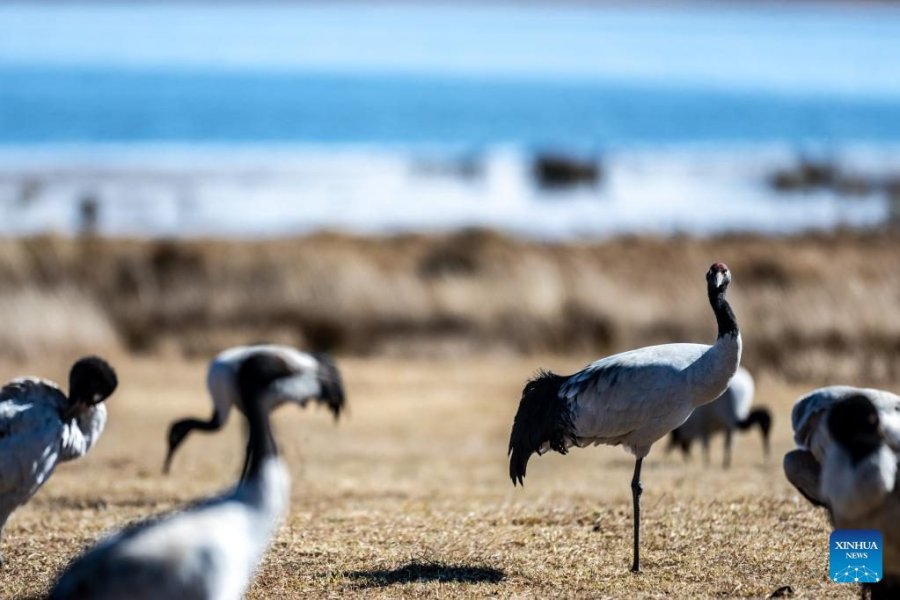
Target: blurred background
(423, 179)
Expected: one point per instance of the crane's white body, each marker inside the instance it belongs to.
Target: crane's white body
(34, 438)
(724, 413)
(209, 551)
(637, 397)
(861, 496)
(222, 385)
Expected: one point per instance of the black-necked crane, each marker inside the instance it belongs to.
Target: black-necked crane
(728, 413)
(210, 550)
(634, 398)
(317, 378)
(848, 448)
(41, 427)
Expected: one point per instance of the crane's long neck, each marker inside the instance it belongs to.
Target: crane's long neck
(710, 374)
(214, 423)
(265, 488)
(82, 432)
(724, 315)
(91, 422)
(261, 445)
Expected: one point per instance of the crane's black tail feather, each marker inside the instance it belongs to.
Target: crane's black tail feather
(331, 384)
(761, 417)
(543, 417)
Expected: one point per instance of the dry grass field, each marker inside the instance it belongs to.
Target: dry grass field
(409, 497)
(813, 307)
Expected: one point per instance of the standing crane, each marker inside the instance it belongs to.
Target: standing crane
(317, 378)
(634, 398)
(41, 427)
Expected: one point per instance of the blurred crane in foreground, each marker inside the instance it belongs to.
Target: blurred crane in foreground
(849, 439)
(211, 550)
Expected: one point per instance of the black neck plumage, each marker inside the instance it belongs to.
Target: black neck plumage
(725, 318)
(213, 424)
(180, 430)
(261, 443)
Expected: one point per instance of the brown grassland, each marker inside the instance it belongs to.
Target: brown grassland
(409, 495)
(818, 307)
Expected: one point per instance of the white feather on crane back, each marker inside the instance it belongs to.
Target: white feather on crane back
(209, 551)
(637, 397)
(34, 438)
(222, 383)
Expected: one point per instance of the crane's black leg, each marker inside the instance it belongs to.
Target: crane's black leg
(726, 461)
(636, 489)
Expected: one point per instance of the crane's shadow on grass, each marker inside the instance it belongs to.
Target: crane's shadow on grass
(425, 572)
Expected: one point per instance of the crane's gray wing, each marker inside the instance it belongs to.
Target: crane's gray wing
(27, 401)
(617, 395)
(804, 472)
(29, 445)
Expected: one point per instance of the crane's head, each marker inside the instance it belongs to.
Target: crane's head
(854, 425)
(91, 381)
(257, 373)
(718, 277)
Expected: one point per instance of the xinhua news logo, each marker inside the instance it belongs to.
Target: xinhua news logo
(856, 556)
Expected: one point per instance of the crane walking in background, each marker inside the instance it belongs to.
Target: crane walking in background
(40, 427)
(211, 550)
(634, 398)
(727, 413)
(317, 377)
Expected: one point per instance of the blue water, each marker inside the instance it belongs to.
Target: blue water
(476, 76)
(47, 105)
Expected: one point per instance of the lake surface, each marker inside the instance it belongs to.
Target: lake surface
(357, 115)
